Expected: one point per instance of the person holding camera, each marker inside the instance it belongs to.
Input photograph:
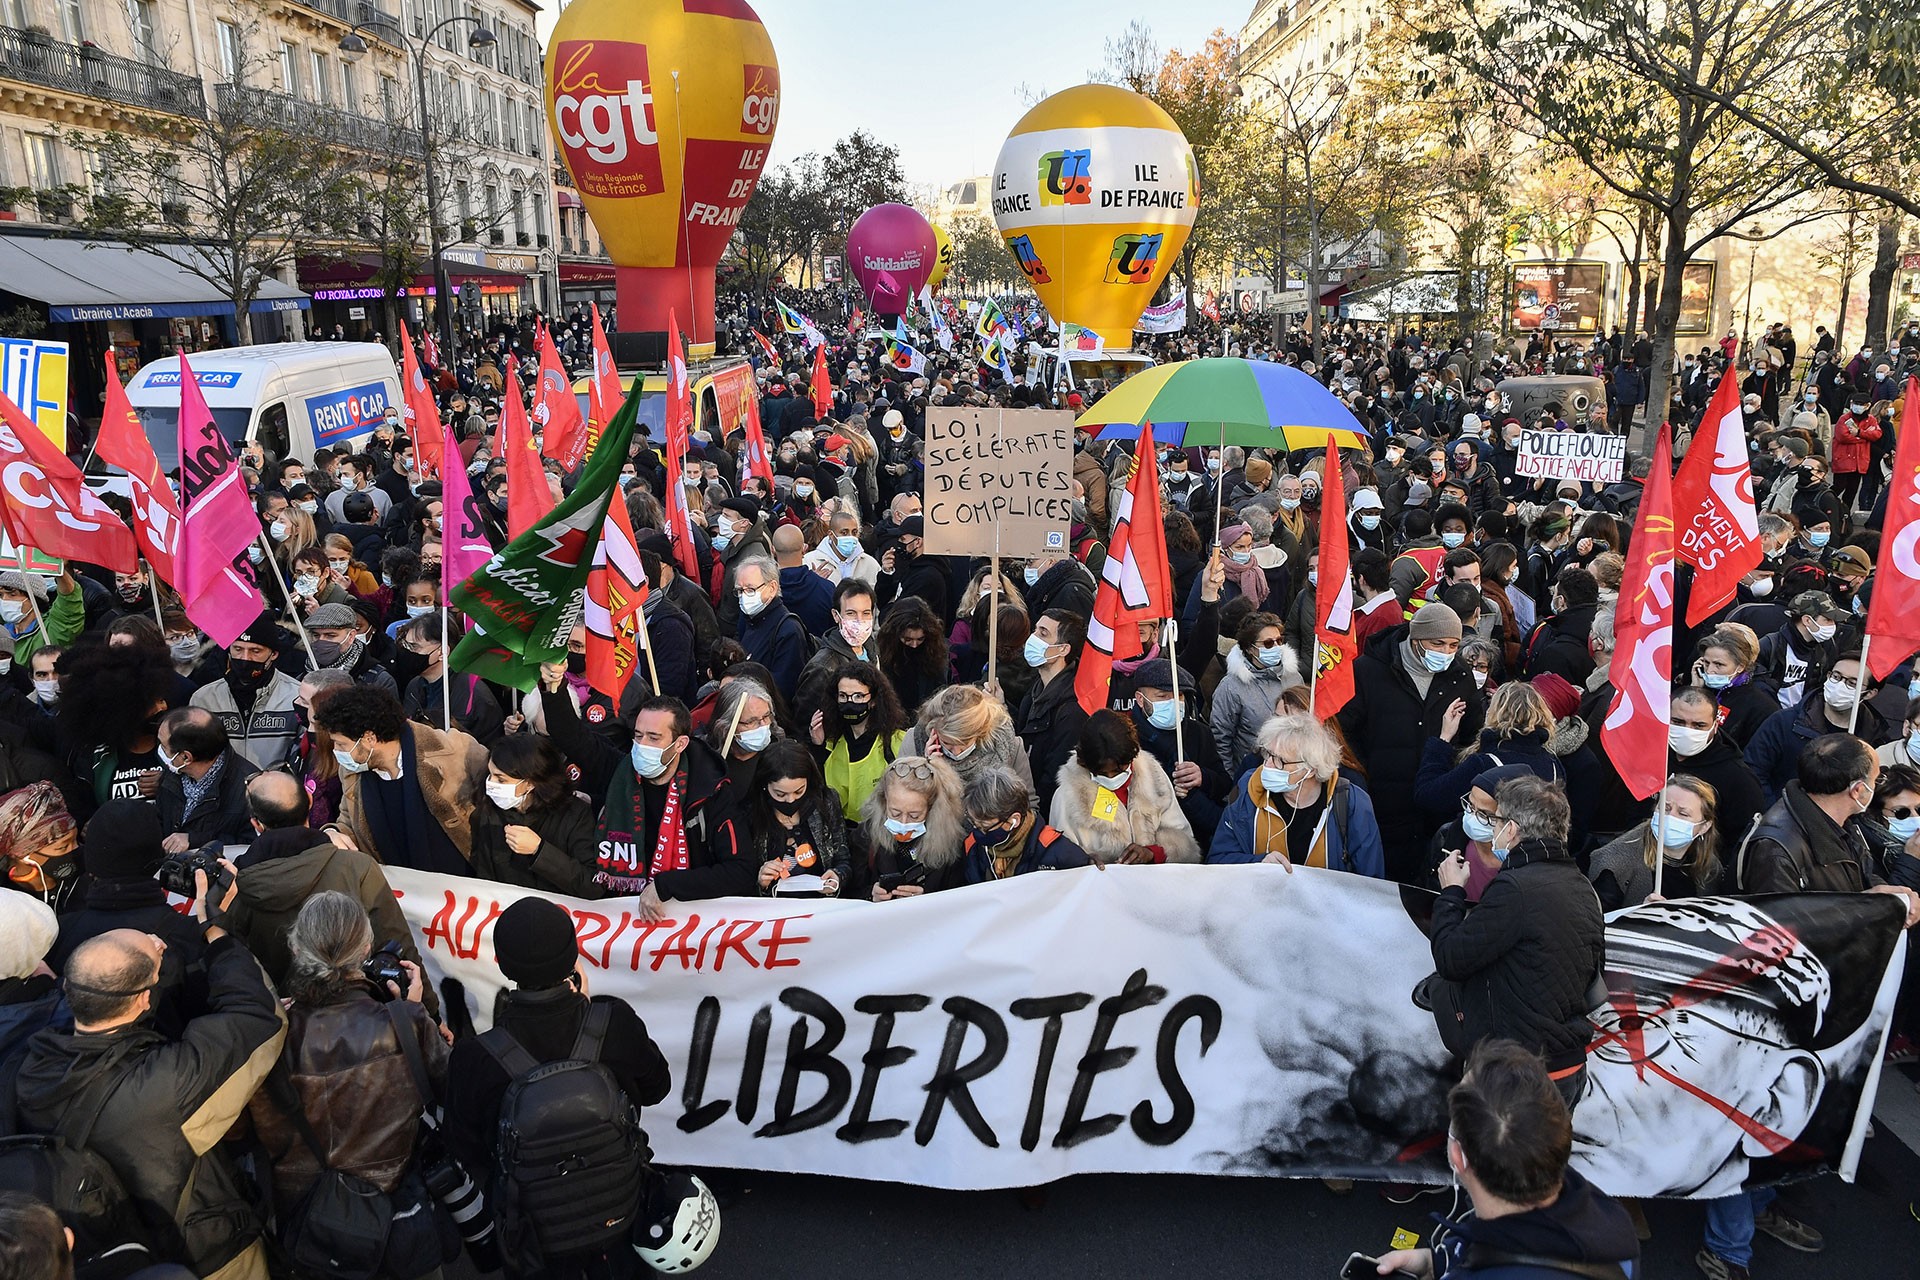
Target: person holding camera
(163, 1103)
(363, 1058)
(124, 886)
(1509, 1136)
(289, 862)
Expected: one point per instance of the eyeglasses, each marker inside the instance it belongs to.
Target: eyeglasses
(1901, 812)
(911, 767)
(1466, 807)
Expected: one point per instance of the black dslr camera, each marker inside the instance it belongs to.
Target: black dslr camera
(382, 967)
(176, 872)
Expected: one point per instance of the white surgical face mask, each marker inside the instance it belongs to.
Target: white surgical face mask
(1687, 743)
(505, 795)
(343, 756)
(305, 585)
(1476, 828)
(1675, 832)
(47, 690)
(1276, 781)
(1840, 695)
(12, 610)
(755, 739)
(310, 506)
(1112, 781)
(1436, 660)
(420, 610)
(905, 831)
(277, 531)
(1904, 828)
(1823, 632)
(340, 566)
(751, 603)
(1479, 678)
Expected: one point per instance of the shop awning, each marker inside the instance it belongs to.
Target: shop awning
(565, 198)
(83, 280)
(586, 273)
(330, 275)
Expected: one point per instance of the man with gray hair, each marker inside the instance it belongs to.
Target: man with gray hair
(771, 633)
(1008, 838)
(1522, 963)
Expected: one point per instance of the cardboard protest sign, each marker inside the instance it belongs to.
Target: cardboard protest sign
(998, 480)
(1572, 455)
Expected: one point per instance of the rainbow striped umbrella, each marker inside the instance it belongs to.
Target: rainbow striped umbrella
(1223, 401)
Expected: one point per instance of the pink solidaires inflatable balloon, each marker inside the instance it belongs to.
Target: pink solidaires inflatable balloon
(891, 251)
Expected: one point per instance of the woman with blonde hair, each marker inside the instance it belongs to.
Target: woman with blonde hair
(1725, 667)
(1519, 722)
(1294, 808)
(297, 534)
(967, 642)
(1684, 832)
(914, 827)
(971, 731)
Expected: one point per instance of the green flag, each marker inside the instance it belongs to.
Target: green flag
(526, 600)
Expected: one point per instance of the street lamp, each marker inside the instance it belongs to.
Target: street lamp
(1753, 234)
(353, 47)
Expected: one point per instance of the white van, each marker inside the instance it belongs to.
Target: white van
(292, 397)
(1108, 368)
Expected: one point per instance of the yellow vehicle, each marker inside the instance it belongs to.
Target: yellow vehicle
(719, 387)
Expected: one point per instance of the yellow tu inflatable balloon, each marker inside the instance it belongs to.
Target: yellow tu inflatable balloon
(942, 258)
(1094, 193)
(664, 110)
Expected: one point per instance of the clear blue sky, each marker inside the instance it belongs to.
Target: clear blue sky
(941, 80)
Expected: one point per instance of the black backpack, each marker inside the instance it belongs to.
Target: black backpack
(570, 1158)
(59, 1169)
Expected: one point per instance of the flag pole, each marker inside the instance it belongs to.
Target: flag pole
(646, 647)
(153, 589)
(733, 727)
(286, 593)
(993, 580)
(446, 670)
(1313, 676)
(1170, 633)
(1853, 712)
(1659, 835)
(39, 619)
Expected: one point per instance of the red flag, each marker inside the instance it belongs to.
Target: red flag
(1135, 583)
(432, 350)
(1893, 615)
(773, 355)
(421, 413)
(853, 322)
(679, 428)
(758, 463)
(616, 588)
(217, 522)
(44, 505)
(123, 443)
(1334, 645)
(822, 386)
(556, 409)
(1641, 714)
(1720, 537)
(604, 397)
(528, 497)
(463, 546)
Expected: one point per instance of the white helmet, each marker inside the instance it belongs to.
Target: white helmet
(684, 1233)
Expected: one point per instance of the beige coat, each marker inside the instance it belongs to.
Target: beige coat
(1151, 815)
(452, 767)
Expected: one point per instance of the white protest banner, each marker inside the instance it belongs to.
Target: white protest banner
(998, 480)
(1572, 455)
(1232, 1020)
(1169, 317)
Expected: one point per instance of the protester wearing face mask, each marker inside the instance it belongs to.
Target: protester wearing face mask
(1293, 809)
(203, 792)
(1683, 838)
(1701, 748)
(913, 826)
(1404, 681)
(840, 555)
(1892, 827)
(532, 830)
(1366, 524)
(255, 702)
(407, 790)
(1811, 839)
(1258, 668)
(1725, 668)
(1904, 750)
(60, 618)
(1007, 837)
(858, 730)
(1795, 659)
(1775, 750)
(425, 699)
(1116, 801)
(1470, 832)
(792, 828)
(772, 634)
(1520, 964)
(1049, 717)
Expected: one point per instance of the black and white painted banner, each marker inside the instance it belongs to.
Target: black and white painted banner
(1235, 1020)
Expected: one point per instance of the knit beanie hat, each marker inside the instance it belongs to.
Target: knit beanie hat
(535, 943)
(1434, 622)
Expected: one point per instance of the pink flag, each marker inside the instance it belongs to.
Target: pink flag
(465, 547)
(219, 524)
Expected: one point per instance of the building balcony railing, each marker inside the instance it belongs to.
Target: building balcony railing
(86, 72)
(330, 124)
(353, 11)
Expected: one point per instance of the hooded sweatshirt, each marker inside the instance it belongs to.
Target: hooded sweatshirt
(1581, 1225)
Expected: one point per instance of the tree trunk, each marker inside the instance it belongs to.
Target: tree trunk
(1886, 265)
(242, 322)
(1666, 318)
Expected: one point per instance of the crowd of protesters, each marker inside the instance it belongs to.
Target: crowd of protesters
(839, 712)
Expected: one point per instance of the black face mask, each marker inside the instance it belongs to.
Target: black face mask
(787, 807)
(855, 712)
(247, 676)
(577, 663)
(407, 664)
